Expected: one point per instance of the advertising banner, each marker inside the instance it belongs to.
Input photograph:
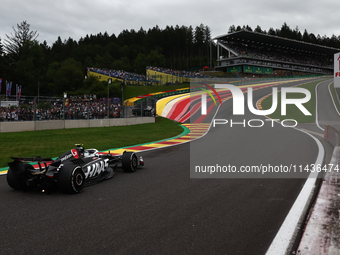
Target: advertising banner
(234, 69)
(337, 70)
(257, 69)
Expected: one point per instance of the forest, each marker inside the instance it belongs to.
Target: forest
(53, 70)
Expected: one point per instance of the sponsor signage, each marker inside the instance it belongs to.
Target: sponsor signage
(257, 69)
(234, 69)
(337, 70)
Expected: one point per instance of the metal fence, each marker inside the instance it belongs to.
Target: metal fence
(144, 108)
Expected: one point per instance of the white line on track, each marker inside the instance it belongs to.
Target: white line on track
(287, 233)
(316, 107)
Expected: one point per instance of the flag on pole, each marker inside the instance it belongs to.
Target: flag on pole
(9, 88)
(18, 92)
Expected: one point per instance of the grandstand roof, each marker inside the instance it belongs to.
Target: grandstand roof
(245, 36)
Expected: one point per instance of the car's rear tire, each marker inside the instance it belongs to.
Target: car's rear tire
(16, 179)
(129, 162)
(71, 179)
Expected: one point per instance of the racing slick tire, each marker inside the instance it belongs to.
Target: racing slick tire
(129, 162)
(16, 179)
(71, 179)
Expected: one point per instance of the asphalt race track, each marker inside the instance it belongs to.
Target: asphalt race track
(160, 209)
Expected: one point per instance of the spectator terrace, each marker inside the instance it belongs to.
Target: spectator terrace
(251, 52)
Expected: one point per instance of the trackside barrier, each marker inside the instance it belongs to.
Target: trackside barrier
(211, 81)
(157, 95)
(19, 126)
(332, 135)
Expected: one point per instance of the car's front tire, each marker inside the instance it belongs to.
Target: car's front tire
(71, 179)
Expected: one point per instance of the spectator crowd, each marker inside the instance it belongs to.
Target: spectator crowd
(75, 110)
(123, 75)
(185, 74)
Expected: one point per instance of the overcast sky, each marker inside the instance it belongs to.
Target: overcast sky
(77, 18)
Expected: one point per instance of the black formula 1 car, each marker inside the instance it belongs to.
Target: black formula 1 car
(70, 172)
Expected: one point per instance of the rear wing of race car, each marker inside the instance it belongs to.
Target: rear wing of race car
(42, 163)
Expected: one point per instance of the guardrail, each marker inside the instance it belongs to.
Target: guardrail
(235, 81)
(158, 95)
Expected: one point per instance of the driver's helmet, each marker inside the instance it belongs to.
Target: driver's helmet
(80, 149)
(91, 153)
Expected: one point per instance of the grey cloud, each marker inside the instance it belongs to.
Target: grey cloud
(76, 18)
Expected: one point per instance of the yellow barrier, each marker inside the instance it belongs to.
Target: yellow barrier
(131, 101)
(103, 77)
(164, 78)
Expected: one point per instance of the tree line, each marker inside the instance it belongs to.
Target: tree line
(62, 67)
(53, 70)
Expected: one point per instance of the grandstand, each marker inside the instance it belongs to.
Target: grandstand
(128, 78)
(170, 76)
(249, 52)
(154, 76)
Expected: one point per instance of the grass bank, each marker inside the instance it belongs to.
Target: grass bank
(52, 143)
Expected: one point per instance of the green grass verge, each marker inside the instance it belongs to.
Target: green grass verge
(52, 143)
(133, 91)
(292, 111)
(333, 92)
